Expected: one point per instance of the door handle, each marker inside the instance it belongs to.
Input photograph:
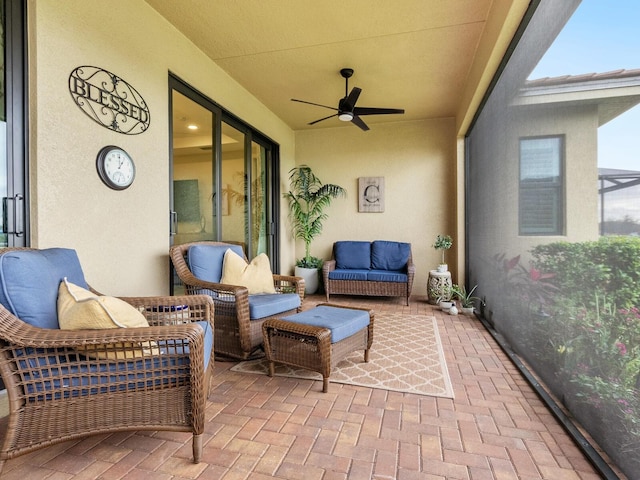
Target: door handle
(18, 214)
(17, 218)
(173, 222)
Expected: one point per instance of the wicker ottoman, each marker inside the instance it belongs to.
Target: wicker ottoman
(318, 339)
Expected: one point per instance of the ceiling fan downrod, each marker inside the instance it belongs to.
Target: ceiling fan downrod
(346, 73)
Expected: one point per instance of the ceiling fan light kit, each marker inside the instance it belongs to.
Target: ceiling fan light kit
(347, 110)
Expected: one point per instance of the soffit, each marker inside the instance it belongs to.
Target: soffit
(613, 93)
(411, 54)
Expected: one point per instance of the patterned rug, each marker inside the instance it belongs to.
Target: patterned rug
(406, 356)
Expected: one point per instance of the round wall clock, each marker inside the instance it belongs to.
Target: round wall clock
(115, 167)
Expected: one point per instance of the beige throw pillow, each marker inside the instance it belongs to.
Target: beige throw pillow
(80, 309)
(256, 276)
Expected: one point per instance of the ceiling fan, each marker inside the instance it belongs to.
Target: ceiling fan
(347, 110)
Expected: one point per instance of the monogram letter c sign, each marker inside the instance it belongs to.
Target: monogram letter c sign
(371, 194)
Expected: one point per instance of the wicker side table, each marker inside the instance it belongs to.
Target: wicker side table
(296, 343)
(439, 285)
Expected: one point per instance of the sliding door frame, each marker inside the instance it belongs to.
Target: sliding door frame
(251, 135)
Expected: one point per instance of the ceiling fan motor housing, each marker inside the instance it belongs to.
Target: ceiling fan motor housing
(346, 72)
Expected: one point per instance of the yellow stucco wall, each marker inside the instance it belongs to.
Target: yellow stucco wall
(418, 163)
(122, 238)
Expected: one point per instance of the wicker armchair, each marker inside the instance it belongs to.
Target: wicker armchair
(58, 391)
(238, 333)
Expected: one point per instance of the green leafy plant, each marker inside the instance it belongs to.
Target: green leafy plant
(308, 198)
(609, 266)
(575, 312)
(467, 300)
(445, 294)
(443, 242)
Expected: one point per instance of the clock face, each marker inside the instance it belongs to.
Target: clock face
(115, 167)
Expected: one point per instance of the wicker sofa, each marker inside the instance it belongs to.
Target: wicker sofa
(379, 268)
(64, 384)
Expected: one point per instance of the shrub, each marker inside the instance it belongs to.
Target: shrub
(608, 267)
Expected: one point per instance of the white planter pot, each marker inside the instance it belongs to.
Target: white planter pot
(443, 267)
(467, 311)
(311, 279)
(445, 306)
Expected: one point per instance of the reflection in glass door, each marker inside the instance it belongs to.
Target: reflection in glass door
(223, 178)
(259, 194)
(234, 189)
(194, 176)
(244, 192)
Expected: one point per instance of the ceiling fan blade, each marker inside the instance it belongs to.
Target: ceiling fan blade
(321, 119)
(348, 104)
(311, 103)
(376, 111)
(358, 121)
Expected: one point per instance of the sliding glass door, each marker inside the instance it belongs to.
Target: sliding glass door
(224, 182)
(13, 171)
(194, 171)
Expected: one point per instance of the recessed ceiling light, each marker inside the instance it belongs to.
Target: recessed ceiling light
(192, 127)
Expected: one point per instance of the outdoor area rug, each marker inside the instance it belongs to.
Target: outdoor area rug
(406, 356)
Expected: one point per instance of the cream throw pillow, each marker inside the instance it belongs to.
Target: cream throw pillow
(256, 276)
(80, 309)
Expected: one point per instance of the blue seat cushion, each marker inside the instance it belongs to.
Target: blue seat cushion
(355, 274)
(352, 254)
(343, 322)
(268, 304)
(205, 261)
(51, 370)
(29, 281)
(387, 276)
(387, 255)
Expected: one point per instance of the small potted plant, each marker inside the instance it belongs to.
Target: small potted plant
(308, 198)
(443, 242)
(467, 300)
(445, 299)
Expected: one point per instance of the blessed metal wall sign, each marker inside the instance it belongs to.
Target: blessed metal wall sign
(109, 100)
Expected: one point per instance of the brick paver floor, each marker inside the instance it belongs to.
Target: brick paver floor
(260, 427)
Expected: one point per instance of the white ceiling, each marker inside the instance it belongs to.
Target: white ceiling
(413, 54)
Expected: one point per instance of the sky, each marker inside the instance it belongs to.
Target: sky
(602, 36)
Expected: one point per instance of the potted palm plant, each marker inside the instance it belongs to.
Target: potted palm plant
(443, 242)
(308, 198)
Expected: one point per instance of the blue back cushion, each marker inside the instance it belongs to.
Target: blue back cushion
(29, 281)
(205, 261)
(352, 254)
(389, 255)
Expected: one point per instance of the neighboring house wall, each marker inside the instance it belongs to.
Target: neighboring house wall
(122, 237)
(579, 126)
